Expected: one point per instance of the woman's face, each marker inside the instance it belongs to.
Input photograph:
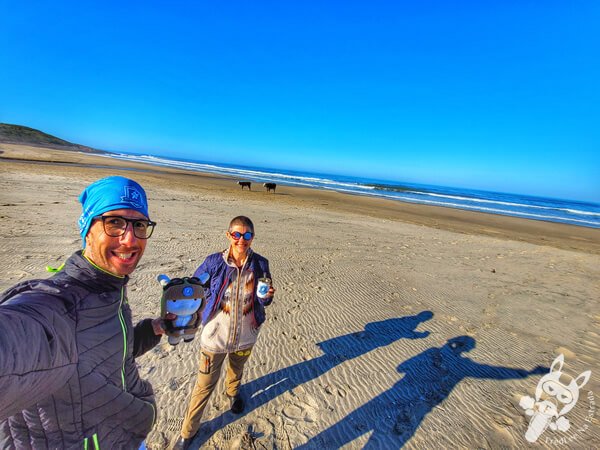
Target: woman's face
(239, 245)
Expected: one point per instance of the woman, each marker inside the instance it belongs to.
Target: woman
(231, 321)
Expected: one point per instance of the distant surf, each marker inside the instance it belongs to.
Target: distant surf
(585, 214)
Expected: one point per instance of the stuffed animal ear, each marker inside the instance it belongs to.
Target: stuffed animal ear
(584, 377)
(560, 360)
(163, 279)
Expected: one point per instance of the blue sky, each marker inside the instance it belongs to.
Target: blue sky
(490, 95)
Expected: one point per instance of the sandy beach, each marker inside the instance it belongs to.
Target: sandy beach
(393, 324)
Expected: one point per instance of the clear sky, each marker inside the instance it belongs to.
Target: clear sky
(501, 95)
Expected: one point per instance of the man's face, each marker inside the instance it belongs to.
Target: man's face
(239, 246)
(117, 255)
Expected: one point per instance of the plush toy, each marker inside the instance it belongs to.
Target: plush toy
(183, 297)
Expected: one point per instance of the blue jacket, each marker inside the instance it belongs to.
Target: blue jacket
(220, 274)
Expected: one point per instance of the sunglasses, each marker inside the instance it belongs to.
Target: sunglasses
(237, 235)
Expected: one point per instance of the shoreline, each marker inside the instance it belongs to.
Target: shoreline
(563, 236)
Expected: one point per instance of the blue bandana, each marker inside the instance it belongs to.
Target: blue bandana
(109, 194)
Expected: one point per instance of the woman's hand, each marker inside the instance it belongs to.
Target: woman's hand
(271, 292)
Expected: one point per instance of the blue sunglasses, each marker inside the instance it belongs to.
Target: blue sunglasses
(237, 235)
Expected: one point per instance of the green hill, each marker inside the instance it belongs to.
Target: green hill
(18, 134)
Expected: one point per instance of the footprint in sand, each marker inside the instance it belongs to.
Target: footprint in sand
(282, 439)
(232, 431)
(500, 437)
(293, 412)
(174, 424)
(300, 412)
(566, 352)
(505, 421)
(157, 440)
(235, 435)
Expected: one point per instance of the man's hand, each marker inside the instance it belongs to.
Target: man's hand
(159, 324)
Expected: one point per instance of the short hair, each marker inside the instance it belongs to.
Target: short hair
(242, 220)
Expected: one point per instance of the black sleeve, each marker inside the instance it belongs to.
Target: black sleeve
(144, 338)
(38, 352)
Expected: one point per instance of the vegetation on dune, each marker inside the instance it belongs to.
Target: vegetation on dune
(18, 134)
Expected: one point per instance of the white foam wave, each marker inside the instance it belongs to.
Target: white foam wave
(498, 202)
(296, 179)
(583, 213)
(492, 210)
(476, 204)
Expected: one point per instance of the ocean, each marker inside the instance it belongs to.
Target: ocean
(579, 213)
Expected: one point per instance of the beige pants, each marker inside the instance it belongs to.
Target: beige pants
(209, 371)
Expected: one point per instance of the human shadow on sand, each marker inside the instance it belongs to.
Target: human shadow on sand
(335, 351)
(429, 377)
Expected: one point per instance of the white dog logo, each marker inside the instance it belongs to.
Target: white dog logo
(553, 399)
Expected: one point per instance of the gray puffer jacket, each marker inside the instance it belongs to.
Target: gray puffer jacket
(68, 377)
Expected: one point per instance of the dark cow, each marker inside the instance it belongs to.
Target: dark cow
(270, 186)
(244, 184)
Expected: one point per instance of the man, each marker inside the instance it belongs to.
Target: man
(231, 321)
(68, 377)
